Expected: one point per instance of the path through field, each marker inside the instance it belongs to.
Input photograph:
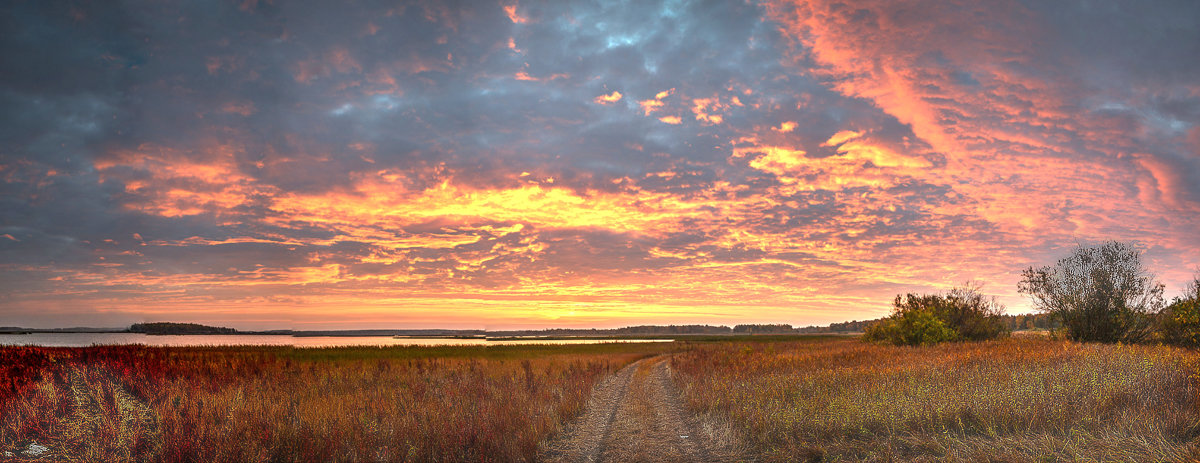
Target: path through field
(636, 415)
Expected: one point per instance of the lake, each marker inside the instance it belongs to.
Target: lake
(89, 339)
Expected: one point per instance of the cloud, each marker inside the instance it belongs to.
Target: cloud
(1030, 115)
(440, 163)
(511, 11)
(610, 98)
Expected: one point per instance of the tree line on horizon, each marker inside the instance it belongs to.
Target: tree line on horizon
(1100, 293)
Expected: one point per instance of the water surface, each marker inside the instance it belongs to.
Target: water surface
(90, 339)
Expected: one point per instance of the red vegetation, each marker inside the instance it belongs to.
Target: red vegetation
(125, 403)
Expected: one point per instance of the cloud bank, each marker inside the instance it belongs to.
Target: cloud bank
(574, 164)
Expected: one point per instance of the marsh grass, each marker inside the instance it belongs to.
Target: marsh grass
(279, 404)
(772, 398)
(1019, 399)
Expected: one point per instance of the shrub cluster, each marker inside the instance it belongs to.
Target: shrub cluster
(1181, 319)
(963, 314)
(1099, 293)
(1103, 293)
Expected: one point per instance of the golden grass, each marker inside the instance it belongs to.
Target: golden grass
(832, 399)
(1010, 400)
(322, 405)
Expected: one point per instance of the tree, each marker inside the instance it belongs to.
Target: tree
(1099, 293)
(1181, 319)
(963, 314)
(974, 316)
(911, 328)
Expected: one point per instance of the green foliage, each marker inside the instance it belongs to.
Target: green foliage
(1029, 321)
(962, 314)
(912, 328)
(1099, 293)
(763, 328)
(1181, 319)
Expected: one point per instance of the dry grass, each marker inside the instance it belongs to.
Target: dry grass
(271, 404)
(1011, 400)
(831, 399)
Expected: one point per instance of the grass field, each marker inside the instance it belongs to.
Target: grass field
(1019, 399)
(782, 398)
(279, 404)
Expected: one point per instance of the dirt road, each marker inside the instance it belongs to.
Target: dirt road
(636, 415)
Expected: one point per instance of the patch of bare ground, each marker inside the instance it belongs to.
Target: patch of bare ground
(637, 415)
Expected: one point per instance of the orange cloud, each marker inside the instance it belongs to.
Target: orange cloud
(511, 11)
(842, 137)
(610, 98)
(181, 183)
(522, 75)
(705, 108)
(651, 105)
(673, 120)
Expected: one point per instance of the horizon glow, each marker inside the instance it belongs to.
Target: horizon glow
(511, 165)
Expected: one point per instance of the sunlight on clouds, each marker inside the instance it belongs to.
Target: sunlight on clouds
(649, 106)
(1021, 148)
(175, 183)
(705, 110)
(376, 201)
(441, 163)
(511, 11)
(610, 98)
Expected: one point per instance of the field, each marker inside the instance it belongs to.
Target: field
(734, 398)
(278, 404)
(1020, 399)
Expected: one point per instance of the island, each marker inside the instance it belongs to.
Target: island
(169, 328)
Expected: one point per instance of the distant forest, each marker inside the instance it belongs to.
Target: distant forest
(1013, 322)
(178, 328)
(1038, 321)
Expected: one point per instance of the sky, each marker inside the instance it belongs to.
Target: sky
(519, 164)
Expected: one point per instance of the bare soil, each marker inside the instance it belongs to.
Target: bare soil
(637, 415)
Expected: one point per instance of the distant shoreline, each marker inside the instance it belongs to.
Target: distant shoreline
(424, 335)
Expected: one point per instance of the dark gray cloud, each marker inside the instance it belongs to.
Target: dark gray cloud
(288, 154)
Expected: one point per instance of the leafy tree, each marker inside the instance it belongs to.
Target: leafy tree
(1181, 319)
(963, 314)
(974, 316)
(911, 328)
(1099, 293)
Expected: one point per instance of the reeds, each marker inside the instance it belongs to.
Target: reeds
(1009, 400)
(279, 404)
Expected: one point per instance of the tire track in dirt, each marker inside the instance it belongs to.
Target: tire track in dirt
(583, 440)
(635, 415)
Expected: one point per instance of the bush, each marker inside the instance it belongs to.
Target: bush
(1099, 293)
(911, 328)
(962, 314)
(1181, 319)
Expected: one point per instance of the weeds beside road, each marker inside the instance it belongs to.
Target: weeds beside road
(781, 398)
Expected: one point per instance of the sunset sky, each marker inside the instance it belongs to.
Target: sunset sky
(579, 164)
